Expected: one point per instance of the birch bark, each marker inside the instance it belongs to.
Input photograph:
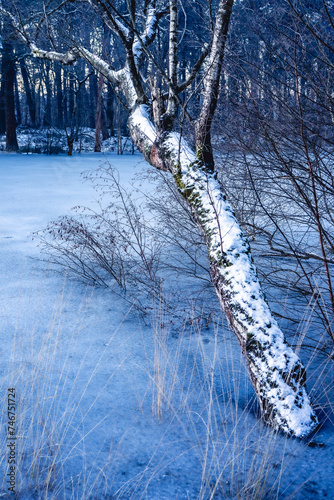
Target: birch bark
(172, 67)
(211, 85)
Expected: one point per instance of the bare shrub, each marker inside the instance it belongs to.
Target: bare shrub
(277, 158)
(126, 244)
(274, 200)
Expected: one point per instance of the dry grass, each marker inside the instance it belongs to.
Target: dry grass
(240, 458)
(52, 408)
(196, 389)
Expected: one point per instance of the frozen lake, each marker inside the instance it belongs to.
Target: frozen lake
(114, 405)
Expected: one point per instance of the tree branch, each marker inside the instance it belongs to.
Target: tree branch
(211, 84)
(197, 66)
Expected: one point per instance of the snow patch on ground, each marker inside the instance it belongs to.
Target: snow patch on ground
(53, 141)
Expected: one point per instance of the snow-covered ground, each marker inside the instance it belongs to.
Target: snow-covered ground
(50, 141)
(111, 404)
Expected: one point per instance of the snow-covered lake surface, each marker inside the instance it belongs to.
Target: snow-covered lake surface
(114, 405)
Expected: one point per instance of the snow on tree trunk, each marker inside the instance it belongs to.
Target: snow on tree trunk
(276, 372)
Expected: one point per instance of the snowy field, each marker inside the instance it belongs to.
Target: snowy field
(112, 403)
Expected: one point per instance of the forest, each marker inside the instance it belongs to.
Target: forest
(204, 221)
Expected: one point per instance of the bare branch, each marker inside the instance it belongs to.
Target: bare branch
(113, 23)
(197, 66)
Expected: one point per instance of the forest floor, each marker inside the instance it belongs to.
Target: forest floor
(115, 403)
(51, 141)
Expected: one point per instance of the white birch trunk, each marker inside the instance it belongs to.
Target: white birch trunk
(172, 64)
(276, 372)
(211, 85)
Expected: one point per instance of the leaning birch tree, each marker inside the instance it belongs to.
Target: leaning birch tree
(276, 372)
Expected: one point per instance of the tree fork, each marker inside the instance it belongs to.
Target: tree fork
(211, 85)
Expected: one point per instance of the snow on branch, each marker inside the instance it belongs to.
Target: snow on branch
(152, 19)
(99, 64)
(66, 58)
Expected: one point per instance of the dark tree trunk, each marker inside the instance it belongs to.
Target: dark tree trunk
(71, 98)
(98, 119)
(38, 105)
(47, 115)
(70, 142)
(59, 96)
(110, 110)
(119, 131)
(2, 105)
(17, 102)
(104, 127)
(92, 99)
(81, 98)
(30, 95)
(9, 82)
(48, 85)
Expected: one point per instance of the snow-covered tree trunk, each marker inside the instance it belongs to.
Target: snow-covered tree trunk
(277, 374)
